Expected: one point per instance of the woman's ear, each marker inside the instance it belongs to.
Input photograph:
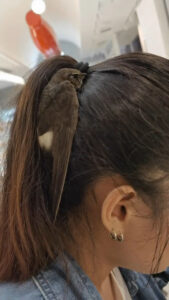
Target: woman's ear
(117, 208)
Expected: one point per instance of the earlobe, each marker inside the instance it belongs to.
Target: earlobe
(115, 207)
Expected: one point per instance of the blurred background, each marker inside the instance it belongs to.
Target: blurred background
(88, 30)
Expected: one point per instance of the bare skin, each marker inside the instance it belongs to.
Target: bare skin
(118, 208)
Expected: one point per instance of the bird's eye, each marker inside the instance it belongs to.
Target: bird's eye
(76, 76)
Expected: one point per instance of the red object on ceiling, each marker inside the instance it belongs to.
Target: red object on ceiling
(42, 34)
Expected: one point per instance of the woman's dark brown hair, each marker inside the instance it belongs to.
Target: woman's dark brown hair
(123, 128)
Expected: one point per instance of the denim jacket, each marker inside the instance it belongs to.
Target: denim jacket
(53, 283)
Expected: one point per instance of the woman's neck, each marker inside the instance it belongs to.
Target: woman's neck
(91, 258)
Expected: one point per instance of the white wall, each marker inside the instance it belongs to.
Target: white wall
(153, 27)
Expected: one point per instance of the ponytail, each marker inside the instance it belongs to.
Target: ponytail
(29, 237)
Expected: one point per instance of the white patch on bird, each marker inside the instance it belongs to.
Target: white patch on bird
(45, 140)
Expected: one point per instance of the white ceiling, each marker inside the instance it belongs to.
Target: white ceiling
(88, 24)
(101, 19)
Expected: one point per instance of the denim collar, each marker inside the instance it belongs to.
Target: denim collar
(142, 286)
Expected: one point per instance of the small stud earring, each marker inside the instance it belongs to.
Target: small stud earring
(120, 237)
(113, 235)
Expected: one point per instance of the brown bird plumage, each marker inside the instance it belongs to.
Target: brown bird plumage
(57, 121)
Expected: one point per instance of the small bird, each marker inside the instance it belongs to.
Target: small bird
(58, 105)
(57, 122)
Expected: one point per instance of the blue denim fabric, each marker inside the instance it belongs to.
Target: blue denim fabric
(143, 286)
(53, 284)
